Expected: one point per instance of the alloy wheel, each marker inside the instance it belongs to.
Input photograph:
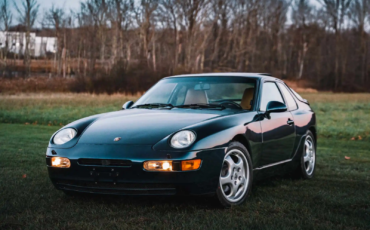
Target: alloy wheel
(309, 155)
(234, 177)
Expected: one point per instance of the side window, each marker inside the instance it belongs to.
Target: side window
(292, 105)
(270, 92)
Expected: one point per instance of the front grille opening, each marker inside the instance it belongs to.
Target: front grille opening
(105, 162)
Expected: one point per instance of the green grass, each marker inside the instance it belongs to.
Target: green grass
(56, 109)
(340, 116)
(337, 198)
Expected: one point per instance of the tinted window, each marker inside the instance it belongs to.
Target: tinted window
(270, 92)
(227, 91)
(202, 90)
(292, 105)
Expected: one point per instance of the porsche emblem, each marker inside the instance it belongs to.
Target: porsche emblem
(117, 139)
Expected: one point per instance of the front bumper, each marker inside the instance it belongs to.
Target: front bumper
(130, 178)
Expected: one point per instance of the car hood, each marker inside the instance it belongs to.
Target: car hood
(143, 126)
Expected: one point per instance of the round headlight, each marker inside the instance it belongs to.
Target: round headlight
(182, 139)
(64, 136)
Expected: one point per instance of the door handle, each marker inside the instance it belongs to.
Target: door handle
(290, 122)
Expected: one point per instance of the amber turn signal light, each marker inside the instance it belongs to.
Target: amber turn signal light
(60, 162)
(190, 165)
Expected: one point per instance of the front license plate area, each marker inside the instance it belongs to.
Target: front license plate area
(104, 174)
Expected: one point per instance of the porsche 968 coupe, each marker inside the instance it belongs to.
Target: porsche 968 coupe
(189, 134)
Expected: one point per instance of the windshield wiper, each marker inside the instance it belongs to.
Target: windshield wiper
(202, 106)
(191, 106)
(153, 105)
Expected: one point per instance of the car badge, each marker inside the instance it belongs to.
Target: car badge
(117, 139)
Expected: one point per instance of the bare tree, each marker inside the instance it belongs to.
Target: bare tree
(329, 45)
(6, 21)
(360, 15)
(245, 30)
(88, 21)
(189, 19)
(220, 15)
(117, 16)
(27, 17)
(144, 14)
(54, 18)
(337, 10)
(99, 11)
(168, 12)
(301, 14)
(6, 15)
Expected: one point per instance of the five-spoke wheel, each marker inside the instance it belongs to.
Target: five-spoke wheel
(309, 155)
(308, 159)
(236, 175)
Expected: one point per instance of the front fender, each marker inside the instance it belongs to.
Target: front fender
(80, 126)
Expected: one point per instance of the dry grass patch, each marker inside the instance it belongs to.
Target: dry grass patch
(329, 97)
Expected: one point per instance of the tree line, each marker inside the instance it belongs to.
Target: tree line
(129, 44)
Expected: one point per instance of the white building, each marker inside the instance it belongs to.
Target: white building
(39, 46)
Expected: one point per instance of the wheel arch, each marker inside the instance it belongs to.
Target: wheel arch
(313, 131)
(244, 141)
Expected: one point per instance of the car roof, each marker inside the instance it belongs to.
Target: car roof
(264, 76)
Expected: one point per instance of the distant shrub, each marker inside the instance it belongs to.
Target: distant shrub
(118, 79)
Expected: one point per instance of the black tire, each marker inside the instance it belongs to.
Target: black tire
(302, 171)
(219, 192)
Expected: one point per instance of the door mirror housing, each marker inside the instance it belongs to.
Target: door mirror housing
(275, 107)
(127, 105)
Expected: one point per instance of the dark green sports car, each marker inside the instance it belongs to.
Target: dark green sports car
(189, 134)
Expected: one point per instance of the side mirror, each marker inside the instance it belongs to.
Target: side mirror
(127, 105)
(275, 107)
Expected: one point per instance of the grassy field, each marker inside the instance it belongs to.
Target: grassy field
(340, 116)
(56, 109)
(337, 198)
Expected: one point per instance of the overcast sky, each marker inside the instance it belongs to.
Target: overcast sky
(46, 4)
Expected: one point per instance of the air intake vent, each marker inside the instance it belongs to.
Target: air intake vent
(105, 162)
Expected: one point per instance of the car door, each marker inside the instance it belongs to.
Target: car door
(293, 109)
(278, 132)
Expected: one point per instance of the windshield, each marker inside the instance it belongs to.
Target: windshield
(228, 92)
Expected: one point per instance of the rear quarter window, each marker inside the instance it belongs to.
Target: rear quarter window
(291, 103)
(296, 95)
